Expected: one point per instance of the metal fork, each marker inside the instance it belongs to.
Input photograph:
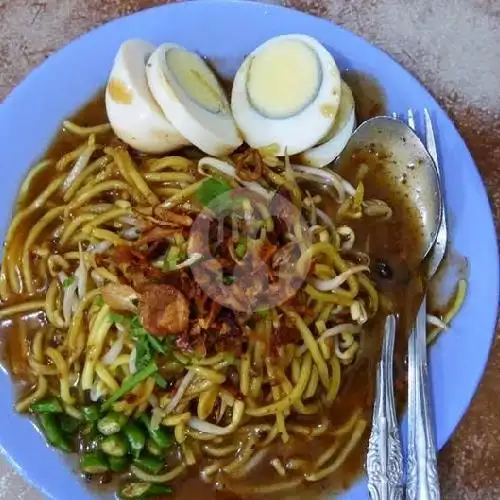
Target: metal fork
(422, 481)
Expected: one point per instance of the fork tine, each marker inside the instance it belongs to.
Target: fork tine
(430, 138)
(411, 119)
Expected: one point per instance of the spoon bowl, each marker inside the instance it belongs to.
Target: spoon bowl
(410, 166)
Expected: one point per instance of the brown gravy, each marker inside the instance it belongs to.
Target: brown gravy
(392, 241)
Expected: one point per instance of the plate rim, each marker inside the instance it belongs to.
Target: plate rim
(72, 45)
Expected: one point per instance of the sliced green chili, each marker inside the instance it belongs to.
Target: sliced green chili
(130, 383)
(115, 445)
(48, 405)
(53, 432)
(111, 423)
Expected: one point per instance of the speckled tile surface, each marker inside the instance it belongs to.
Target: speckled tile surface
(450, 45)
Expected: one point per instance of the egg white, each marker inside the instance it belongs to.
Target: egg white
(191, 97)
(289, 126)
(335, 141)
(132, 111)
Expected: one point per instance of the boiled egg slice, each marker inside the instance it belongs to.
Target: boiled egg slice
(332, 145)
(133, 113)
(286, 94)
(191, 97)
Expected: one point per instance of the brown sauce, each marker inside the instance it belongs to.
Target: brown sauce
(394, 241)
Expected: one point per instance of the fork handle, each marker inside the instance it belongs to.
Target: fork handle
(384, 461)
(422, 477)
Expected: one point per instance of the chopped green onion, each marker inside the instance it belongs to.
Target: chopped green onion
(211, 189)
(69, 281)
(99, 301)
(240, 250)
(160, 381)
(171, 258)
(130, 383)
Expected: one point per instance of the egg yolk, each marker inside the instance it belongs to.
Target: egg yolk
(283, 78)
(195, 79)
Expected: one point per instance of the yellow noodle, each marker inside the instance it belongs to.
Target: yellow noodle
(176, 163)
(121, 360)
(347, 426)
(86, 194)
(106, 275)
(311, 344)
(207, 401)
(183, 195)
(173, 420)
(106, 377)
(208, 374)
(76, 328)
(39, 393)
(89, 171)
(312, 387)
(267, 489)
(62, 368)
(65, 160)
(74, 224)
(24, 190)
(331, 252)
(73, 412)
(245, 374)
(127, 169)
(41, 369)
(328, 297)
(242, 458)
(84, 131)
(37, 351)
(163, 478)
(335, 380)
(169, 177)
(189, 456)
(285, 403)
(456, 305)
(104, 234)
(95, 344)
(114, 213)
(33, 234)
(372, 293)
(56, 264)
(36, 305)
(217, 452)
(180, 432)
(357, 434)
(51, 309)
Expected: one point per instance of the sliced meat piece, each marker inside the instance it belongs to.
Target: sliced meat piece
(163, 310)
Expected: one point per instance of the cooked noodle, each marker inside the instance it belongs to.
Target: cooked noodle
(228, 384)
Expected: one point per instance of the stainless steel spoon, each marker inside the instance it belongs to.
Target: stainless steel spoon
(412, 166)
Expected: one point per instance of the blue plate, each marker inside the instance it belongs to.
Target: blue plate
(227, 31)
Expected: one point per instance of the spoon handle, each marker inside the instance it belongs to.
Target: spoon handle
(384, 462)
(422, 477)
